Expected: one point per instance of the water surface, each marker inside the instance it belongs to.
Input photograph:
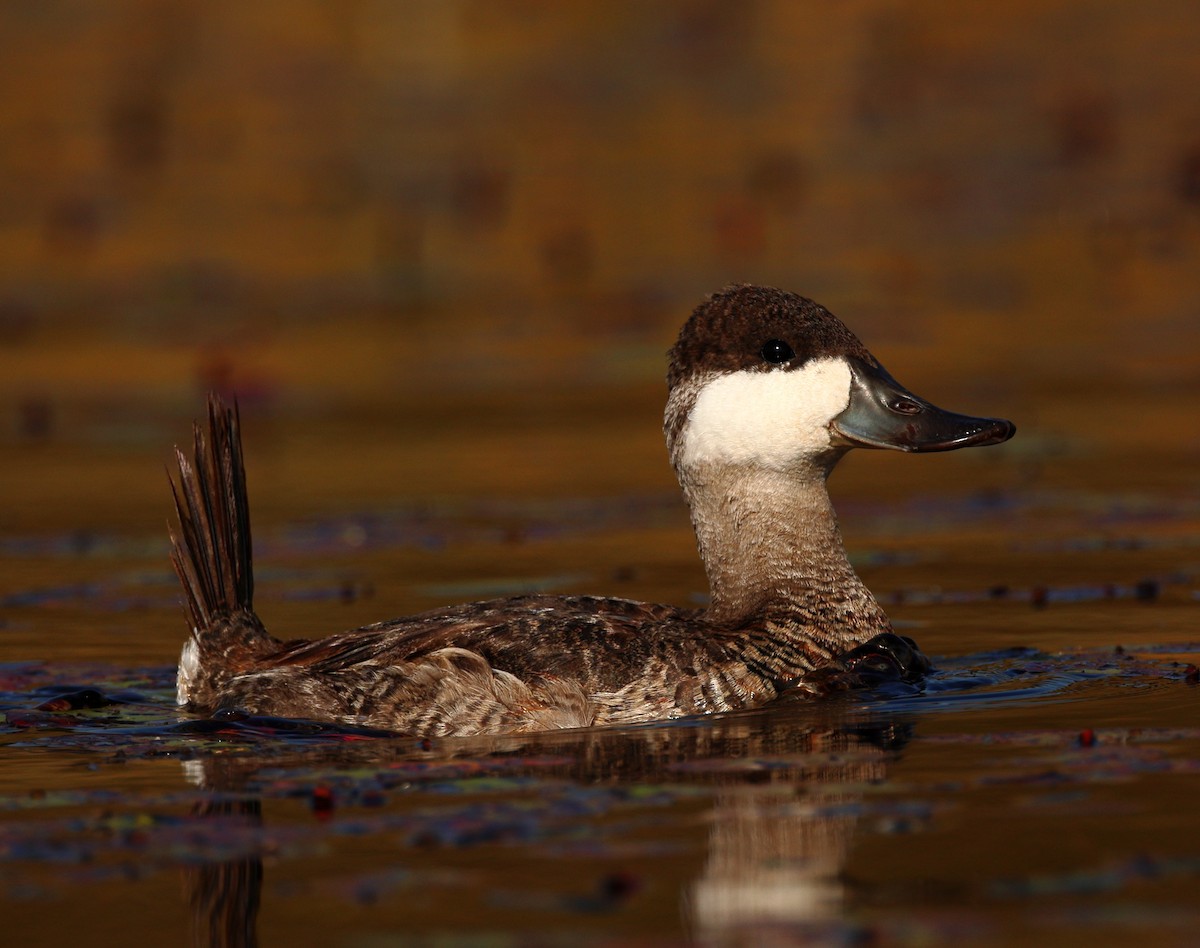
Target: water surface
(1039, 788)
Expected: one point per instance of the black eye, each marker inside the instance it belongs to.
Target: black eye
(776, 351)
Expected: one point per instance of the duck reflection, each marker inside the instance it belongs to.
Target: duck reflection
(779, 839)
(223, 897)
(786, 787)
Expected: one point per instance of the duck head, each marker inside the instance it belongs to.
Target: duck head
(767, 378)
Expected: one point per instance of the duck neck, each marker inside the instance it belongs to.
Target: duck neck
(771, 546)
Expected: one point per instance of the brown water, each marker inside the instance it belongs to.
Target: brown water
(1039, 789)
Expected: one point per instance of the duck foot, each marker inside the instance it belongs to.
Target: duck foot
(888, 658)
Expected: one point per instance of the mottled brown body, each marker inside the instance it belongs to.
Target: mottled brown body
(524, 664)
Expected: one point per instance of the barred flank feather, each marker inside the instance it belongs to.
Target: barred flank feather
(210, 548)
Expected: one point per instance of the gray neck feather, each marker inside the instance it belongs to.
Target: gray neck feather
(771, 545)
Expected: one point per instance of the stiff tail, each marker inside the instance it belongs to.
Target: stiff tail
(212, 555)
(211, 549)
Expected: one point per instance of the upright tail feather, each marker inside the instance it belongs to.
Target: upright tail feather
(211, 550)
(212, 555)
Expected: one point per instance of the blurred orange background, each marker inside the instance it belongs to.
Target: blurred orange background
(345, 208)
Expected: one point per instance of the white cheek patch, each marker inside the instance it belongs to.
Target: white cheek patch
(773, 418)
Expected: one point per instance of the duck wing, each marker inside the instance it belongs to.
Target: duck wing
(529, 636)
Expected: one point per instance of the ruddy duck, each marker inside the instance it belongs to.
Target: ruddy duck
(767, 391)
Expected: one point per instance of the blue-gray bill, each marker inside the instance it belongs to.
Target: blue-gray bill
(884, 414)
